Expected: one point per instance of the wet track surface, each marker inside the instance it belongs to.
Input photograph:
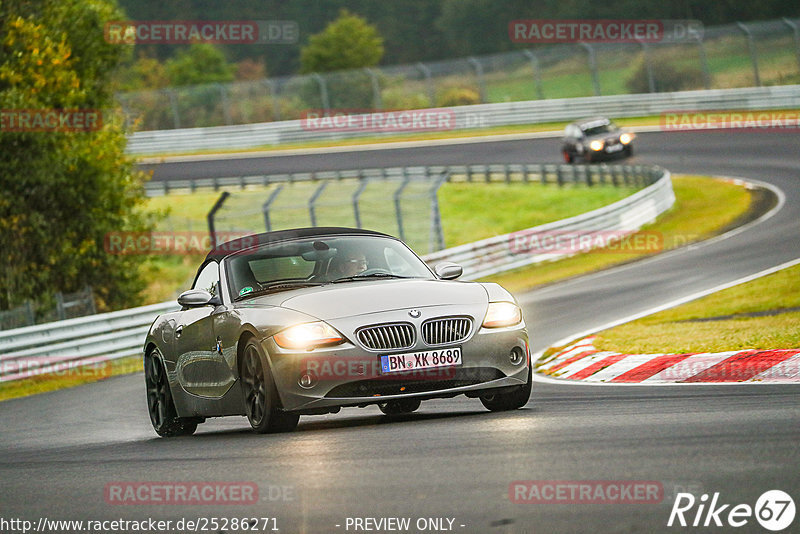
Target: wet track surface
(453, 459)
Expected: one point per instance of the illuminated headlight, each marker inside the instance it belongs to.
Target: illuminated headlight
(502, 314)
(308, 336)
(625, 138)
(596, 145)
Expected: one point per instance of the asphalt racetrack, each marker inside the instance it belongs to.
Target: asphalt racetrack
(453, 459)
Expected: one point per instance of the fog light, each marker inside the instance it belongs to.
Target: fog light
(307, 381)
(516, 356)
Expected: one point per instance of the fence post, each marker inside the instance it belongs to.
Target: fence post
(312, 201)
(356, 196)
(537, 73)
(210, 217)
(273, 95)
(592, 67)
(429, 82)
(436, 241)
(29, 314)
(703, 61)
(753, 55)
(90, 296)
(266, 206)
(323, 91)
(796, 33)
(377, 103)
(479, 75)
(651, 81)
(173, 104)
(60, 306)
(226, 105)
(397, 207)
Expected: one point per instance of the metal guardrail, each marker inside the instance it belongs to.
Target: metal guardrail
(100, 338)
(466, 117)
(498, 254)
(544, 173)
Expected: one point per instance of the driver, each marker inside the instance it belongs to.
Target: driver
(348, 263)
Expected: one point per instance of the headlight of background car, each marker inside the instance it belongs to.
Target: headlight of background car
(596, 145)
(502, 314)
(625, 138)
(308, 336)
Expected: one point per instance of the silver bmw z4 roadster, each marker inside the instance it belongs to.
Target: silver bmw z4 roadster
(307, 321)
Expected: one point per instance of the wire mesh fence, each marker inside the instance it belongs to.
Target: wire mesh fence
(734, 55)
(67, 306)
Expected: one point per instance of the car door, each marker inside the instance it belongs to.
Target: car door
(201, 368)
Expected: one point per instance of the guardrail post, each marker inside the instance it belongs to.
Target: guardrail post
(476, 64)
(377, 103)
(311, 208)
(796, 33)
(588, 170)
(537, 73)
(323, 91)
(436, 241)
(210, 217)
(703, 61)
(356, 211)
(592, 67)
(266, 206)
(429, 82)
(559, 177)
(615, 176)
(752, 48)
(397, 207)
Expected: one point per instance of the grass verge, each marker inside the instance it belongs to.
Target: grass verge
(762, 314)
(703, 207)
(66, 379)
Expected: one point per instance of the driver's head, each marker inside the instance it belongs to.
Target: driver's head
(349, 263)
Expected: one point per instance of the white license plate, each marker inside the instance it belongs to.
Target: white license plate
(393, 363)
(613, 148)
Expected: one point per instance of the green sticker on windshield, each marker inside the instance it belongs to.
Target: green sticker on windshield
(245, 291)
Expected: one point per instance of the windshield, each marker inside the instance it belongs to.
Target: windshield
(320, 260)
(597, 128)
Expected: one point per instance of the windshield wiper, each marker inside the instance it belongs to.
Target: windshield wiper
(275, 287)
(367, 277)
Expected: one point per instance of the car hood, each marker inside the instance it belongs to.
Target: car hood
(348, 299)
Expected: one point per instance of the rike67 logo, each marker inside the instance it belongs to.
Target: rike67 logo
(774, 510)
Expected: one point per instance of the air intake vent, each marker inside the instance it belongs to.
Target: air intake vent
(446, 330)
(387, 336)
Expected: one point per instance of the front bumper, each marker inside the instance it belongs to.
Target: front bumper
(349, 375)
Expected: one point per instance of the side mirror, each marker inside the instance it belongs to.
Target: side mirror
(447, 270)
(195, 298)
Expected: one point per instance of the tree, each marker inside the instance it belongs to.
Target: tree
(349, 42)
(63, 192)
(200, 63)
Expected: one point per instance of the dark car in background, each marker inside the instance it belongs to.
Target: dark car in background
(595, 139)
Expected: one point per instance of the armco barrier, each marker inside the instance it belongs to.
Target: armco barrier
(108, 336)
(489, 115)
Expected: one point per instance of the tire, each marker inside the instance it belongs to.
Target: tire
(500, 402)
(629, 151)
(160, 405)
(262, 405)
(399, 407)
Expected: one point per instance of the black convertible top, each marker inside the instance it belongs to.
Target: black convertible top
(243, 243)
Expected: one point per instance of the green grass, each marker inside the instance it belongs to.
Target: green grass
(75, 377)
(671, 331)
(703, 206)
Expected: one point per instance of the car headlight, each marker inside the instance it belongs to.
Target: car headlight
(625, 138)
(502, 314)
(596, 145)
(308, 336)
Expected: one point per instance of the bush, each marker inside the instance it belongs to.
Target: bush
(458, 96)
(666, 76)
